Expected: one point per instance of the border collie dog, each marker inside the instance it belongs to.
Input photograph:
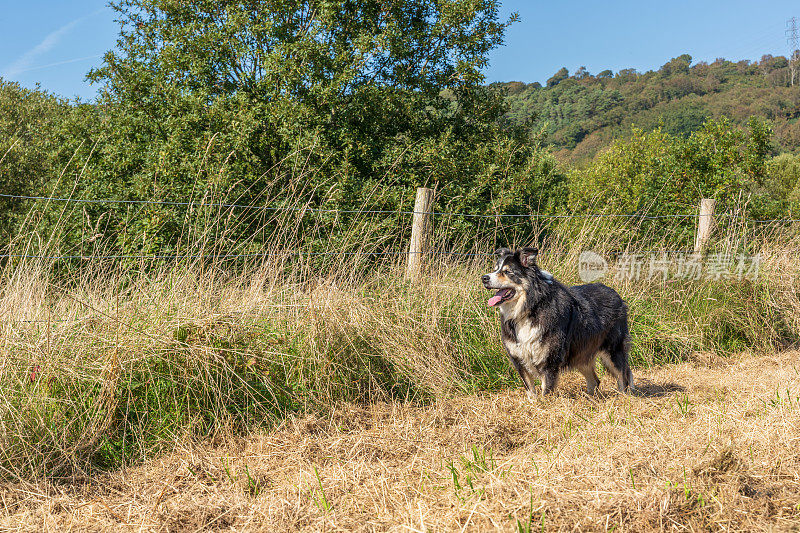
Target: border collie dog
(547, 327)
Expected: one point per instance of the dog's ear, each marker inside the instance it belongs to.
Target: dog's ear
(527, 257)
(500, 252)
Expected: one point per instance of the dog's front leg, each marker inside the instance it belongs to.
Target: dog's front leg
(517, 364)
(528, 378)
(530, 384)
(549, 380)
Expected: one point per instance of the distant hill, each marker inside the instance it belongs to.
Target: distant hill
(582, 113)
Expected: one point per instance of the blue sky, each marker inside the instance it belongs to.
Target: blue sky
(635, 34)
(55, 42)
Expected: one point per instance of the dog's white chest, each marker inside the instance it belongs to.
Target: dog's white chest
(528, 347)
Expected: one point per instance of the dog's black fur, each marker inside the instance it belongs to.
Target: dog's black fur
(547, 326)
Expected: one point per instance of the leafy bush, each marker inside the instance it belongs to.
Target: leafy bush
(658, 174)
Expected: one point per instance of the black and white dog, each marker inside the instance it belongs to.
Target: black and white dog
(547, 326)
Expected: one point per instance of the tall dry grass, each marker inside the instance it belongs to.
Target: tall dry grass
(105, 362)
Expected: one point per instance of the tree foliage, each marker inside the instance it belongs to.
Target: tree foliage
(352, 105)
(655, 173)
(337, 105)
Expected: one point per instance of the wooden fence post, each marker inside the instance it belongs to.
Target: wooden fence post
(421, 232)
(705, 225)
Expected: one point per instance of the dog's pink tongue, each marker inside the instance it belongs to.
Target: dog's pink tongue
(497, 298)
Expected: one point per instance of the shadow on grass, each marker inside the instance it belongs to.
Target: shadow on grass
(648, 389)
(643, 388)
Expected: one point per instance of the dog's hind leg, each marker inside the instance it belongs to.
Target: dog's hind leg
(610, 367)
(592, 381)
(614, 355)
(621, 357)
(618, 369)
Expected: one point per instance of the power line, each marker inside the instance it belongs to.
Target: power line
(764, 41)
(792, 40)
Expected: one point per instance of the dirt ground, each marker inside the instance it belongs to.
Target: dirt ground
(712, 444)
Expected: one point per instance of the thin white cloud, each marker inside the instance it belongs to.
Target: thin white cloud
(58, 63)
(25, 62)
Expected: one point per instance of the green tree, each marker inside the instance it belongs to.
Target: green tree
(655, 173)
(370, 98)
(583, 114)
(45, 142)
(677, 65)
(558, 77)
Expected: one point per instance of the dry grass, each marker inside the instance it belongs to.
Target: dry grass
(107, 369)
(708, 444)
(307, 392)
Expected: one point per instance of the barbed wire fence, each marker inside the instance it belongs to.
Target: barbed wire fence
(357, 211)
(421, 223)
(421, 228)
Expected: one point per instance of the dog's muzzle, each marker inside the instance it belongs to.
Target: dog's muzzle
(502, 294)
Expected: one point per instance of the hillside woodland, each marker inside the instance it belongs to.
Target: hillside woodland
(580, 114)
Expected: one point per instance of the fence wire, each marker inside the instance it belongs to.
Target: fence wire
(312, 210)
(369, 211)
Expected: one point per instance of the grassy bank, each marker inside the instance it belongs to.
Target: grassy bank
(704, 445)
(109, 365)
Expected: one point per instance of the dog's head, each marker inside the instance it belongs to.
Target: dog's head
(514, 274)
